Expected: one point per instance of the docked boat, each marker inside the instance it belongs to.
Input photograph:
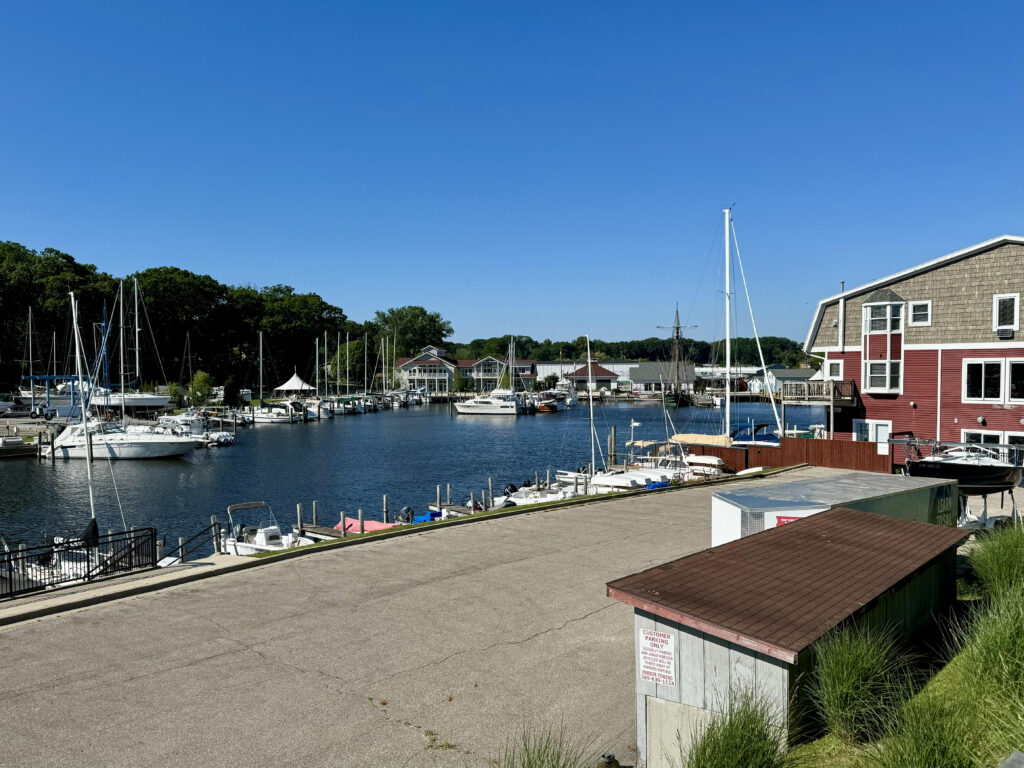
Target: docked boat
(500, 402)
(252, 529)
(111, 440)
(551, 401)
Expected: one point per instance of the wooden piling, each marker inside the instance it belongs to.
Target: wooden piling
(536, 479)
(298, 514)
(53, 454)
(576, 485)
(438, 502)
(483, 499)
(449, 494)
(315, 504)
(586, 483)
(342, 521)
(490, 491)
(181, 549)
(472, 504)
(385, 508)
(613, 456)
(361, 528)
(216, 534)
(549, 477)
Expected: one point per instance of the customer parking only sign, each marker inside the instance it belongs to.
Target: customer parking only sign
(657, 650)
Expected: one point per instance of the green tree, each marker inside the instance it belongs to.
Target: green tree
(414, 326)
(459, 382)
(231, 389)
(200, 388)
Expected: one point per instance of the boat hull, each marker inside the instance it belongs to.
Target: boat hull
(128, 449)
(973, 479)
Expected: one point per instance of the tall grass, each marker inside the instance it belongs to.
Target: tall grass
(927, 733)
(998, 561)
(860, 680)
(545, 748)
(749, 735)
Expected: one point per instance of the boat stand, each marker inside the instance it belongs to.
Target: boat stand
(967, 520)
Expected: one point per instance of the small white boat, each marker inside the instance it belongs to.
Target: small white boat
(252, 528)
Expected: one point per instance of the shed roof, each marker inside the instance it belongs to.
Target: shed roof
(780, 590)
(599, 372)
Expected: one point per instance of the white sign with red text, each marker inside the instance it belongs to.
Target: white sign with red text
(657, 657)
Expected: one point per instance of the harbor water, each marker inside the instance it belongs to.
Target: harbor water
(345, 464)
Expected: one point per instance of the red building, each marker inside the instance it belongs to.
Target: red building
(935, 349)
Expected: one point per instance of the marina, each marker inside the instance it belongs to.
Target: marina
(345, 464)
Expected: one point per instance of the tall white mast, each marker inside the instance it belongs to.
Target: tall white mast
(590, 388)
(347, 387)
(31, 381)
(261, 366)
(82, 404)
(728, 340)
(138, 331)
(120, 336)
(316, 365)
(366, 359)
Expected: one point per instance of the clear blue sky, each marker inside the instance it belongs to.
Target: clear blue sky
(549, 169)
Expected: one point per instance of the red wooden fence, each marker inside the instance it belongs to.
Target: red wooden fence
(840, 454)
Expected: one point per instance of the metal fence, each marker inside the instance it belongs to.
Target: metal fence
(73, 560)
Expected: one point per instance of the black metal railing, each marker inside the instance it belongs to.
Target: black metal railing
(71, 560)
(180, 552)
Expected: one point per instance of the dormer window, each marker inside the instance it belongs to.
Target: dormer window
(1006, 312)
(883, 318)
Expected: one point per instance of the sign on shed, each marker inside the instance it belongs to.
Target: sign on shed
(657, 657)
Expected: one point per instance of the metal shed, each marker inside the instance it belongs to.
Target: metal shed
(735, 514)
(743, 616)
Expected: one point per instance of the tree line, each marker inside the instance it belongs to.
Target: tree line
(191, 322)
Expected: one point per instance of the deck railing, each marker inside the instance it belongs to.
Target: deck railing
(820, 391)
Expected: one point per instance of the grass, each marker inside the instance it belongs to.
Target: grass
(998, 561)
(547, 748)
(749, 735)
(861, 678)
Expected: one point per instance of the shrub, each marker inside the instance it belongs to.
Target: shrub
(749, 735)
(545, 748)
(927, 733)
(998, 561)
(861, 677)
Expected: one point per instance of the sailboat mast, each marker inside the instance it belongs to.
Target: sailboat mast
(316, 365)
(590, 392)
(138, 331)
(728, 340)
(348, 383)
(261, 366)
(120, 337)
(82, 404)
(366, 359)
(31, 380)
(337, 366)
(675, 355)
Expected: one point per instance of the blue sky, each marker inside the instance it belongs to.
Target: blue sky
(549, 169)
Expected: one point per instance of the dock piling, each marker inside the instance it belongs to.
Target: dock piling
(361, 528)
(342, 521)
(472, 504)
(449, 494)
(576, 485)
(181, 550)
(438, 504)
(536, 479)
(548, 485)
(613, 455)
(159, 550)
(298, 514)
(216, 534)
(315, 504)
(490, 491)
(385, 508)
(586, 482)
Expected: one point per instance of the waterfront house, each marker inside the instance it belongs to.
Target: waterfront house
(775, 375)
(935, 350)
(435, 371)
(648, 378)
(602, 378)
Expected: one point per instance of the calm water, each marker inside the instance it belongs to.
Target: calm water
(345, 463)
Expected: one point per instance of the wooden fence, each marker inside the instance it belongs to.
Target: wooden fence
(840, 454)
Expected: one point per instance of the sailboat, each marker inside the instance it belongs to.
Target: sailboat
(265, 413)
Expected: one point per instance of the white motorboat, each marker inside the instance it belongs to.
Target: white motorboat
(500, 402)
(111, 440)
(530, 494)
(551, 401)
(252, 528)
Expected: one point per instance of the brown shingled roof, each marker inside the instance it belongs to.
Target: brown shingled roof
(600, 372)
(778, 591)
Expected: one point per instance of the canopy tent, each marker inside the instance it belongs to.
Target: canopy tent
(294, 384)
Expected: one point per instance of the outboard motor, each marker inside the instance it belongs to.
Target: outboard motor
(405, 515)
(510, 488)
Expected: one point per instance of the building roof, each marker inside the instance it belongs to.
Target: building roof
(792, 374)
(599, 372)
(778, 591)
(928, 265)
(659, 370)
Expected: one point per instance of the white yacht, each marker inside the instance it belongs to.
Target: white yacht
(111, 440)
(498, 402)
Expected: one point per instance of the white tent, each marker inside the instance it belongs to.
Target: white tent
(294, 384)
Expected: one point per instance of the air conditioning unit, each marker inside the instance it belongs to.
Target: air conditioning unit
(1004, 333)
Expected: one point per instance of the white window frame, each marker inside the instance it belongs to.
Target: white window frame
(1007, 391)
(871, 424)
(828, 364)
(996, 432)
(887, 360)
(866, 316)
(1016, 312)
(1001, 361)
(910, 313)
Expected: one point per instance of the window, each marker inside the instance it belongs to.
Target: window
(834, 369)
(920, 313)
(873, 431)
(882, 373)
(983, 380)
(1016, 379)
(981, 436)
(883, 318)
(1006, 311)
